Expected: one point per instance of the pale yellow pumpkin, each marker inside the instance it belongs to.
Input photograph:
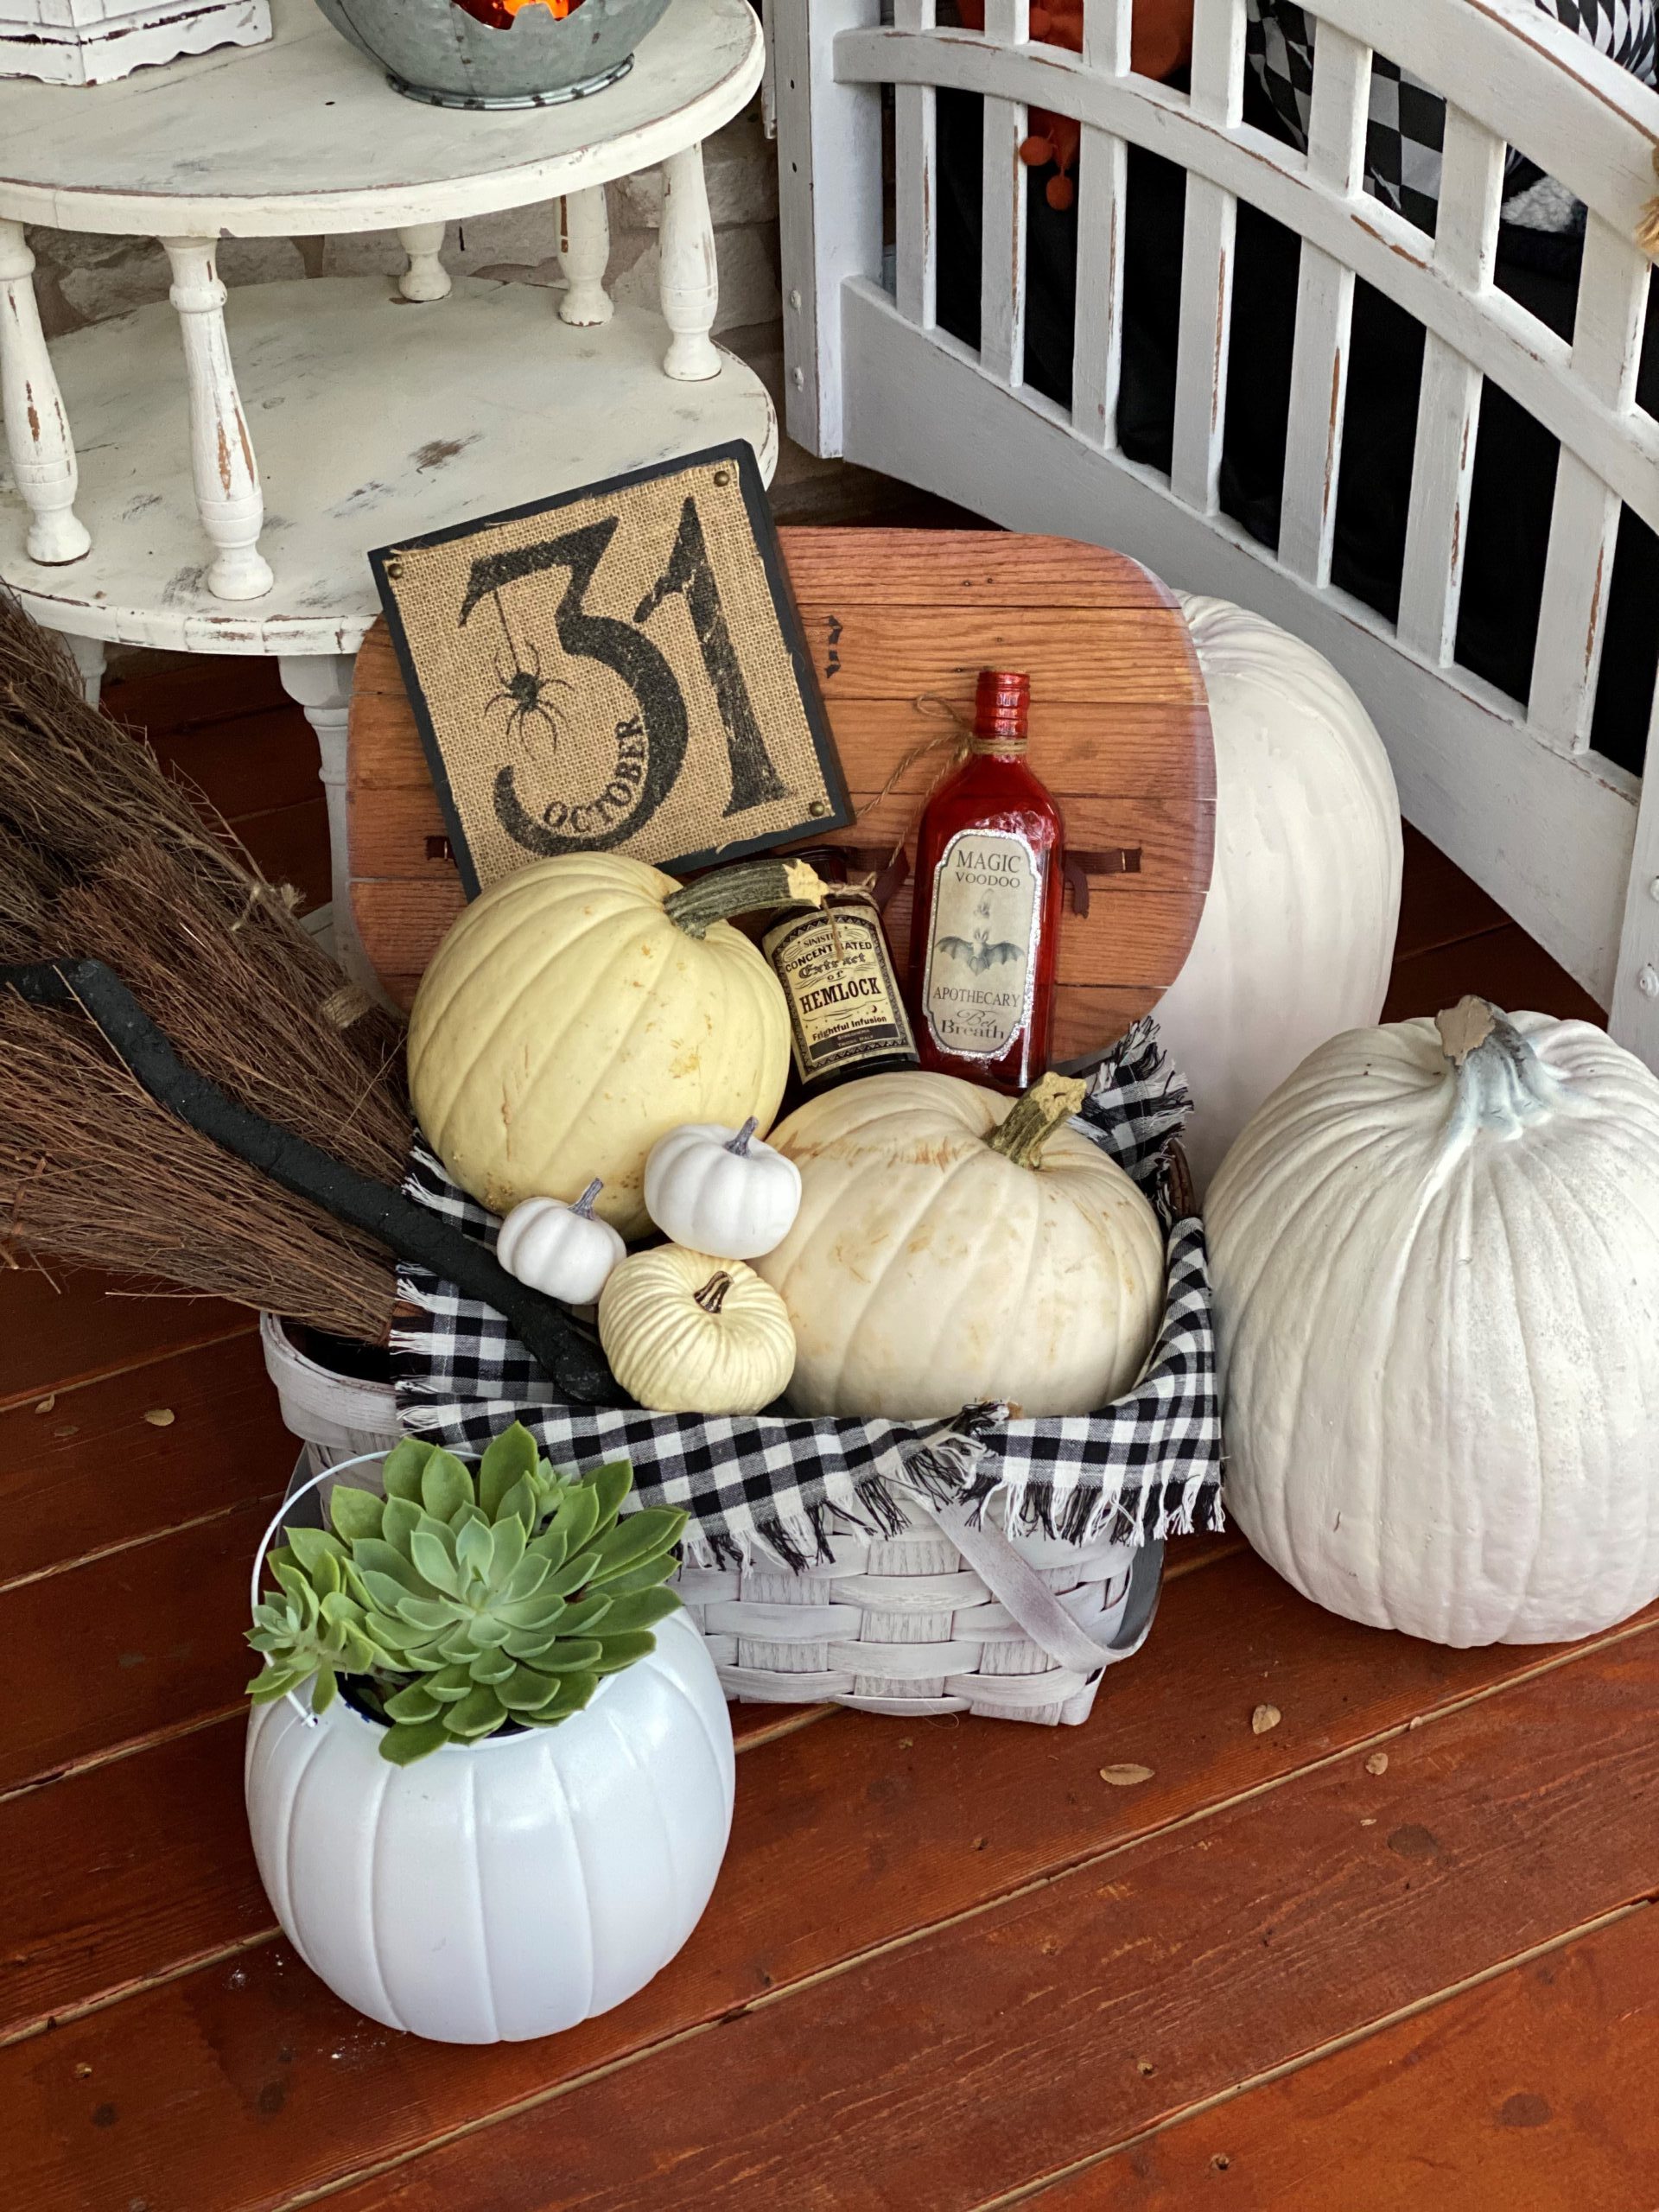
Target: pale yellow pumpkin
(583, 1007)
(927, 1269)
(687, 1333)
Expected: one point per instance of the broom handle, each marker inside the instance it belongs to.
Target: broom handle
(406, 1230)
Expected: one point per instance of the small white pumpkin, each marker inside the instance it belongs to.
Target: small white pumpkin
(721, 1191)
(686, 1333)
(1297, 935)
(1435, 1259)
(565, 1250)
(954, 1245)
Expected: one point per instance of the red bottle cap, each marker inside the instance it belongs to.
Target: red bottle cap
(1001, 704)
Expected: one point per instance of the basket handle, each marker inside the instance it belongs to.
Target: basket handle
(1018, 1587)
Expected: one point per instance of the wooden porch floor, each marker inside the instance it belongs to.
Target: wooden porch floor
(1394, 1952)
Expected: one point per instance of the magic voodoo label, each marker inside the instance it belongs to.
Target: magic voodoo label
(980, 967)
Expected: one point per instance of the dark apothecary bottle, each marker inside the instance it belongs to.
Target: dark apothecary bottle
(846, 1013)
(989, 883)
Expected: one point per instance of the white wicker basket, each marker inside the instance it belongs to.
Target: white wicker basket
(924, 1622)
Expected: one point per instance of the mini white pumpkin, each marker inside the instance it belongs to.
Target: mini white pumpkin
(686, 1333)
(721, 1190)
(565, 1250)
(1297, 935)
(1435, 1259)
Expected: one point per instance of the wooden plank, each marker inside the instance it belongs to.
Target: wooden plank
(242, 764)
(60, 1331)
(175, 693)
(859, 1831)
(1002, 228)
(1439, 903)
(1530, 2091)
(94, 1472)
(1136, 1983)
(1504, 965)
(139, 1643)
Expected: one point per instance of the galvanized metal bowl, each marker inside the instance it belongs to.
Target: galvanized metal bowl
(435, 51)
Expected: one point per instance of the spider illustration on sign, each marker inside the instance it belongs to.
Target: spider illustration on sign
(978, 951)
(524, 689)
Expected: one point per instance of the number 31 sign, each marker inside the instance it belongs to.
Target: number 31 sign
(617, 670)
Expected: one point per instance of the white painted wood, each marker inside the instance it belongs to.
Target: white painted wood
(175, 152)
(1449, 407)
(915, 183)
(584, 256)
(426, 277)
(321, 684)
(359, 452)
(38, 443)
(1207, 263)
(1634, 1019)
(89, 656)
(228, 495)
(829, 202)
(1002, 244)
(1547, 835)
(89, 43)
(1613, 287)
(1103, 191)
(1325, 310)
(689, 273)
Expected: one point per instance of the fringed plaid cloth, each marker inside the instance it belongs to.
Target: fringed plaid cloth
(1146, 1467)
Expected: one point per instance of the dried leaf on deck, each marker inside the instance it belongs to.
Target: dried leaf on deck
(1265, 1717)
(1126, 1775)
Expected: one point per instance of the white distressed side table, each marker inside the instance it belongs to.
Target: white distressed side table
(239, 465)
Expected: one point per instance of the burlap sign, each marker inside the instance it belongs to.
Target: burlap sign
(617, 670)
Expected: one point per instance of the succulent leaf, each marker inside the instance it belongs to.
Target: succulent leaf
(478, 1713)
(511, 1458)
(404, 1465)
(637, 1609)
(577, 1516)
(414, 1702)
(310, 1545)
(402, 1518)
(324, 1689)
(610, 1484)
(355, 1512)
(619, 1651)
(639, 1538)
(450, 1685)
(408, 1742)
(434, 1561)
(475, 1548)
(493, 1667)
(446, 1486)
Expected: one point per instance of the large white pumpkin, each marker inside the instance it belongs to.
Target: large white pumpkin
(498, 1891)
(927, 1271)
(1435, 1261)
(583, 1007)
(1296, 936)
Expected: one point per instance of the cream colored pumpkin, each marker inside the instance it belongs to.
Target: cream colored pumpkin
(1435, 1261)
(583, 1007)
(1297, 935)
(687, 1333)
(926, 1271)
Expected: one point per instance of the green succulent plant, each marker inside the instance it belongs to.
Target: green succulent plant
(458, 1603)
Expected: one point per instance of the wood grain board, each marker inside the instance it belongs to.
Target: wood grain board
(898, 622)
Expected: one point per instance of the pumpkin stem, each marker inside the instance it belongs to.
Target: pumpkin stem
(1033, 1119)
(1500, 1082)
(712, 1296)
(696, 907)
(740, 1143)
(584, 1204)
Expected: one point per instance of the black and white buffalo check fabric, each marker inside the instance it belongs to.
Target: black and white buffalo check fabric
(1408, 120)
(1146, 1467)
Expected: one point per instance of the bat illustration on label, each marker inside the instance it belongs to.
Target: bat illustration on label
(978, 951)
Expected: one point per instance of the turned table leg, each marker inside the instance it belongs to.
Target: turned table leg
(584, 255)
(37, 429)
(690, 280)
(321, 684)
(228, 497)
(89, 655)
(426, 277)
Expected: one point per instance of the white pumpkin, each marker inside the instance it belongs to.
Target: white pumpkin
(686, 1333)
(928, 1270)
(721, 1191)
(563, 1250)
(1296, 936)
(506, 1889)
(584, 1006)
(1435, 1259)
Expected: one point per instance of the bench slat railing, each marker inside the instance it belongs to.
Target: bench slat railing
(1002, 265)
(1102, 191)
(1448, 408)
(915, 163)
(1324, 313)
(1584, 521)
(1218, 99)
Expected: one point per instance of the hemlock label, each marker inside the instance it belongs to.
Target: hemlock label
(978, 983)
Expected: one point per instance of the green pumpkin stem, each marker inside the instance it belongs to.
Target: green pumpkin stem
(1033, 1119)
(696, 907)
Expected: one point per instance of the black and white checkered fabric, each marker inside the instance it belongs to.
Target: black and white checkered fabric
(1407, 119)
(1146, 1467)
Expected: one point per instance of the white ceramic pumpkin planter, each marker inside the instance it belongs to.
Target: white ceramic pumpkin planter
(506, 1889)
(1435, 1260)
(1297, 935)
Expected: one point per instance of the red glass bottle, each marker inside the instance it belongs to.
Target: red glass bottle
(989, 883)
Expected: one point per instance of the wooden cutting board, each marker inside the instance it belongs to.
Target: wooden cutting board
(897, 620)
